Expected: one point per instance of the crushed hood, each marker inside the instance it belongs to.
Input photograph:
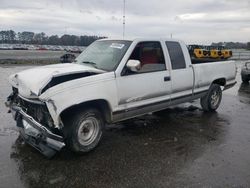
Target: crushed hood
(31, 82)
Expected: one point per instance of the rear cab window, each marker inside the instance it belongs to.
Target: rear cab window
(176, 55)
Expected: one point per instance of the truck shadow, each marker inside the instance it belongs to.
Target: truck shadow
(140, 152)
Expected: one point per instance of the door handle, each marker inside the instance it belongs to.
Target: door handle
(167, 78)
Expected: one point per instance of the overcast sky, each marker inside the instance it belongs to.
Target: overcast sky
(194, 21)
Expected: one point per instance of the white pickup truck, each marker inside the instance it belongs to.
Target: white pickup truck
(110, 81)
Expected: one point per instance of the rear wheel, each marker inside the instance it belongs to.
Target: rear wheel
(84, 130)
(211, 101)
(244, 79)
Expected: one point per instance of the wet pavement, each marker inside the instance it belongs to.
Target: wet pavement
(180, 147)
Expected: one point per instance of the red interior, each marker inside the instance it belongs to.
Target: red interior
(149, 57)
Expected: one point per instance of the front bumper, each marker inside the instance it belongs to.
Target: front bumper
(36, 134)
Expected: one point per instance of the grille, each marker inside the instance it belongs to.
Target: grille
(38, 111)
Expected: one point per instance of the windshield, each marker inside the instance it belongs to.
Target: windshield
(104, 55)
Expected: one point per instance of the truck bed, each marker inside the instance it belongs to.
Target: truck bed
(205, 60)
(205, 72)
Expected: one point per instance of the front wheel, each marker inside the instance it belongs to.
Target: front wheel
(84, 130)
(211, 101)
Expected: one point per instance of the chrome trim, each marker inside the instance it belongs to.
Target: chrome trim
(38, 126)
(154, 107)
(133, 65)
(56, 144)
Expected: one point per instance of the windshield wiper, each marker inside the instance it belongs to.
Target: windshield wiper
(90, 63)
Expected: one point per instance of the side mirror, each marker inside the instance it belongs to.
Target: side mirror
(133, 65)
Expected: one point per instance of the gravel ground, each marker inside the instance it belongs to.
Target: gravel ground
(180, 147)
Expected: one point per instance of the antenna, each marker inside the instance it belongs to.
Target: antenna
(124, 1)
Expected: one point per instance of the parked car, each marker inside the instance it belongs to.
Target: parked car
(67, 58)
(19, 47)
(245, 72)
(111, 81)
(6, 47)
(75, 50)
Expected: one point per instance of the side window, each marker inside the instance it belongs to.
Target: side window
(176, 55)
(150, 55)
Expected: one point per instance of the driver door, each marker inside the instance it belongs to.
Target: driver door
(149, 88)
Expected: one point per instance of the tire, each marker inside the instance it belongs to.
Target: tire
(244, 79)
(84, 130)
(211, 101)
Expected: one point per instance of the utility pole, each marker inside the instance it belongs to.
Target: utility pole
(124, 18)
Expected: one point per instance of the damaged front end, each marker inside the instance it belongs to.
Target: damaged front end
(37, 117)
(35, 124)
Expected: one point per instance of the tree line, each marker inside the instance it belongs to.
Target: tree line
(28, 37)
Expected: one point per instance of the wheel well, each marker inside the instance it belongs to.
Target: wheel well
(220, 81)
(100, 104)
